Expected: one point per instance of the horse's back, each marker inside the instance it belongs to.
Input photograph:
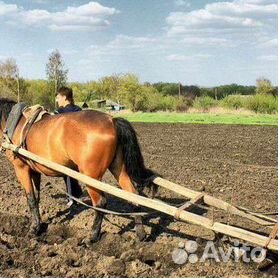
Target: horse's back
(73, 137)
(91, 121)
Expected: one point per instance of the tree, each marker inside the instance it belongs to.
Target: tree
(9, 77)
(167, 88)
(190, 92)
(109, 87)
(264, 86)
(56, 72)
(130, 91)
(38, 92)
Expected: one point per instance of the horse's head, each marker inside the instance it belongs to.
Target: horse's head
(5, 108)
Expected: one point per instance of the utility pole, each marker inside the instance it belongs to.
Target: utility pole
(179, 89)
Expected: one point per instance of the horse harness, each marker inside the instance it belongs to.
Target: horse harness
(32, 115)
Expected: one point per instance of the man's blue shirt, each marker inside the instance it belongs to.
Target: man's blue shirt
(68, 108)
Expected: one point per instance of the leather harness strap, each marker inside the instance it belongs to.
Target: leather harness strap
(27, 127)
(25, 132)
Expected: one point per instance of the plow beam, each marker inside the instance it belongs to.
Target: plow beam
(160, 206)
(215, 202)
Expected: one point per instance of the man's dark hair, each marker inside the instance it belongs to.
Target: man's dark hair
(67, 92)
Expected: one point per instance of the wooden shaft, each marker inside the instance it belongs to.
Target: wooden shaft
(218, 203)
(245, 235)
(128, 196)
(214, 202)
(153, 204)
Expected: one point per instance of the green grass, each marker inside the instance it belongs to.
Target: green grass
(201, 118)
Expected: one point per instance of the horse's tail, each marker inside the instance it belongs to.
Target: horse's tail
(132, 155)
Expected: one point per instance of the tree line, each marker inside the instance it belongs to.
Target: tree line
(125, 89)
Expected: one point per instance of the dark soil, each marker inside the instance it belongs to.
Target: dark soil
(235, 163)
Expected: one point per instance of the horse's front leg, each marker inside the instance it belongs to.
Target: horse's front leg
(24, 175)
(36, 178)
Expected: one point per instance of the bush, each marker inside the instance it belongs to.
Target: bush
(262, 103)
(264, 86)
(204, 103)
(166, 103)
(182, 104)
(148, 99)
(233, 102)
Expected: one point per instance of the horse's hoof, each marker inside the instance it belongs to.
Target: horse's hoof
(34, 231)
(88, 242)
(140, 232)
(37, 230)
(95, 237)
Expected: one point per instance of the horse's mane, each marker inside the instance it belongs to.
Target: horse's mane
(6, 105)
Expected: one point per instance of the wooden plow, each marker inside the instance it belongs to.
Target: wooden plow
(180, 213)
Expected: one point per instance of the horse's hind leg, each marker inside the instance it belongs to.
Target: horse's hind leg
(98, 200)
(24, 175)
(118, 170)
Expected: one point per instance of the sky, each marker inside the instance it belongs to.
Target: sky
(195, 42)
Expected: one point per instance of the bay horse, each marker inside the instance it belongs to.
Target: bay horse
(89, 142)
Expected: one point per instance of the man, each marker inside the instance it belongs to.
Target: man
(65, 101)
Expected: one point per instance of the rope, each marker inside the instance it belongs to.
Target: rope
(107, 211)
(263, 213)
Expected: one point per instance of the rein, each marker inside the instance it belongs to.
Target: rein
(106, 211)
